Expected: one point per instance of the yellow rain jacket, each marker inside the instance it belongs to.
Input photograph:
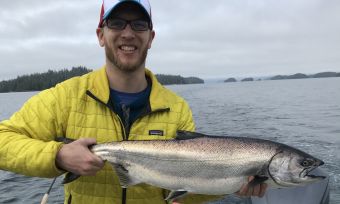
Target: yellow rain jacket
(79, 108)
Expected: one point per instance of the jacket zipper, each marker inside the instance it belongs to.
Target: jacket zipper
(124, 190)
(126, 127)
(123, 131)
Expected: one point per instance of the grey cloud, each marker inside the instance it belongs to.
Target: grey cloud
(48, 34)
(54, 19)
(249, 37)
(193, 37)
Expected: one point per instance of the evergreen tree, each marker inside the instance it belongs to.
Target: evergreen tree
(40, 81)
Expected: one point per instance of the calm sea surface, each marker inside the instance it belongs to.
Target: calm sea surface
(301, 113)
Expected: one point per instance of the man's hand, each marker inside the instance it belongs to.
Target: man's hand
(247, 191)
(76, 157)
(258, 190)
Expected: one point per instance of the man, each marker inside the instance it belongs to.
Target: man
(121, 101)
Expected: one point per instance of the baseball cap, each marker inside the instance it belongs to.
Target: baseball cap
(109, 5)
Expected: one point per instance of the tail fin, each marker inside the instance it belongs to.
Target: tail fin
(64, 140)
(69, 177)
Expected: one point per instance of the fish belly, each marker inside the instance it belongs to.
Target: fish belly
(191, 176)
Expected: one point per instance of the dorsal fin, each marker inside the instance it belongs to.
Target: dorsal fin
(187, 135)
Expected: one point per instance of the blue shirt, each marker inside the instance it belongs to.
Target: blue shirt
(130, 105)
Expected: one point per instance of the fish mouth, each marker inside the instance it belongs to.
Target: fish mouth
(311, 173)
(315, 177)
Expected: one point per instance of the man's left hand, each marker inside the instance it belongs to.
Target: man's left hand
(247, 191)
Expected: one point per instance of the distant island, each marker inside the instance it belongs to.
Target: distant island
(41, 81)
(248, 79)
(293, 76)
(177, 79)
(230, 80)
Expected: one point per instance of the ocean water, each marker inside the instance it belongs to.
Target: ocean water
(302, 113)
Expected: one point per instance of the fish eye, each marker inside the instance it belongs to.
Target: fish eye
(307, 162)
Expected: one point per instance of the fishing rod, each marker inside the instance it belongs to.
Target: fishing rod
(45, 198)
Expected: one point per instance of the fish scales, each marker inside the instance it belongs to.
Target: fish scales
(205, 164)
(183, 164)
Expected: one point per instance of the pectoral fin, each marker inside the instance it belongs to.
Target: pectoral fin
(124, 178)
(175, 195)
(257, 180)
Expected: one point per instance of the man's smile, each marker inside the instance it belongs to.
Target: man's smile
(127, 48)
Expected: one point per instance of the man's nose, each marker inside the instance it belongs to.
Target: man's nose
(128, 32)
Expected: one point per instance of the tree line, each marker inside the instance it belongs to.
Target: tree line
(41, 81)
(177, 79)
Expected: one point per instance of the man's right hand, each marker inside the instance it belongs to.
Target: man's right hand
(76, 157)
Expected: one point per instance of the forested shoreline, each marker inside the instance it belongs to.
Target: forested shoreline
(41, 81)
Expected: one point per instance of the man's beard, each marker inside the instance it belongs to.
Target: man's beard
(114, 59)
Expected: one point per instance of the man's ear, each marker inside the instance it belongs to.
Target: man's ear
(152, 36)
(100, 36)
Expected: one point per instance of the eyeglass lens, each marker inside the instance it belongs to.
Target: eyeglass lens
(120, 24)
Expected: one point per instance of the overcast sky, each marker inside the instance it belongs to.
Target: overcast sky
(216, 38)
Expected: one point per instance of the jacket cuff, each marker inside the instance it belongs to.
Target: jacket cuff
(56, 171)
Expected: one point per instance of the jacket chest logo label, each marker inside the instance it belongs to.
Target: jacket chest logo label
(156, 132)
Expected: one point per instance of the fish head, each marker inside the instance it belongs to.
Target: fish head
(292, 167)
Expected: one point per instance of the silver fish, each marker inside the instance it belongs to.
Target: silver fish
(204, 164)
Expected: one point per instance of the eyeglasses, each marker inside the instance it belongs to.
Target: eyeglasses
(120, 24)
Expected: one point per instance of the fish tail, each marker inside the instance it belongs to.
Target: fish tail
(69, 177)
